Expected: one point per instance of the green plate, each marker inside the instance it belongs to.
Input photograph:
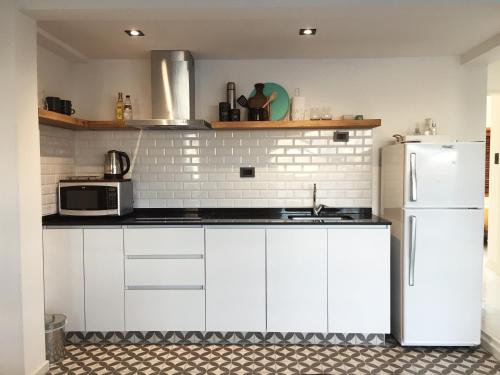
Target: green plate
(280, 105)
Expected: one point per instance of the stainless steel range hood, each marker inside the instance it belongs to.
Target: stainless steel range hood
(172, 93)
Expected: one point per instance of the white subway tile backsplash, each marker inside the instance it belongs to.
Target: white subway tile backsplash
(201, 169)
(57, 149)
(152, 194)
(216, 194)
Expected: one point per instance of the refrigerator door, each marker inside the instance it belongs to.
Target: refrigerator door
(447, 175)
(441, 276)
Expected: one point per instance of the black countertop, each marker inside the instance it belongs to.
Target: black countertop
(224, 216)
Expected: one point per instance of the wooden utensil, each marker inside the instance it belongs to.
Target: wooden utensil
(270, 98)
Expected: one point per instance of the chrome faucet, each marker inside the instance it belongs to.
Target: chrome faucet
(316, 209)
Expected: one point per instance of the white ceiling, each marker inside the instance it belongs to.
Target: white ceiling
(238, 29)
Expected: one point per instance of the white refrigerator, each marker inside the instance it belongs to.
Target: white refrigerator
(433, 194)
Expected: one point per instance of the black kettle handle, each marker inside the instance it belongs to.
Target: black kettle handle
(127, 160)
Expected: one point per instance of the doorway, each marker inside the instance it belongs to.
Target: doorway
(491, 275)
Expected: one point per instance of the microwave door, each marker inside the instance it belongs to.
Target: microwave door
(85, 200)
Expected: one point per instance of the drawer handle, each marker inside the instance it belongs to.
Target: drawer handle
(173, 256)
(165, 287)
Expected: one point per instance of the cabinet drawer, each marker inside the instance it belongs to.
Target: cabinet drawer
(165, 310)
(164, 272)
(164, 241)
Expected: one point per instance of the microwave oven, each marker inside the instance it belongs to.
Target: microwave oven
(95, 198)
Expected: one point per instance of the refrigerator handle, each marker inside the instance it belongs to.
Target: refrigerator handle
(413, 248)
(413, 177)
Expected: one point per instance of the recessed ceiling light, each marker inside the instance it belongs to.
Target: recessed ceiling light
(134, 32)
(307, 31)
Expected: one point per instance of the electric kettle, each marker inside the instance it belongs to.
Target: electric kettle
(114, 166)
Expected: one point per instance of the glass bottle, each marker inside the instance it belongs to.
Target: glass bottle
(433, 129)
(119, 107)
(427, 126)
(298, 106)
(127, 112)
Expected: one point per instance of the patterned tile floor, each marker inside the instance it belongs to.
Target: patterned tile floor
(272, 359)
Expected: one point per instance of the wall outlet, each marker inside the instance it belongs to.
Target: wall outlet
(341, 136)
(247, 172)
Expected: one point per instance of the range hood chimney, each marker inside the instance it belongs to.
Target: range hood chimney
(172, 93)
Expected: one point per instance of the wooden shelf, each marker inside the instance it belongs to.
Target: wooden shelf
(67, 122)
(62, 121)
(303, 124)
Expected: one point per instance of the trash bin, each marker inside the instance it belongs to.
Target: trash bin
(54, 337)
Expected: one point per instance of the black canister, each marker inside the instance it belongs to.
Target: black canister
(263, 114)
(234, 114)
(253, 114)
(224, 109)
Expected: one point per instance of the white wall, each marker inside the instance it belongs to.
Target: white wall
(493, 256)
(55, 75)
(29, 189)
(400, 91)
(22, 346)
(494, 78)
(11, 339)
(98, 82)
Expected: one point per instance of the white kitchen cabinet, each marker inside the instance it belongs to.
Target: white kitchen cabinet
(359, 279)
(63, 275)
(164, 279)
(235, 279)
(278, 279)
(104, 279)
(165, 310)
(297, 280)
(164, 241)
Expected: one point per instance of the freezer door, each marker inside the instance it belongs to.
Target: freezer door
(441, 269)
(444, 175)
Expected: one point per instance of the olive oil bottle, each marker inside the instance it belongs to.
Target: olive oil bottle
(120, 106)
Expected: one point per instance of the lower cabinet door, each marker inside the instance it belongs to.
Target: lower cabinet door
(165, 310)
(297, 280)
(63, 275)
(359, 280)
(236, 279)
(104, 289)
